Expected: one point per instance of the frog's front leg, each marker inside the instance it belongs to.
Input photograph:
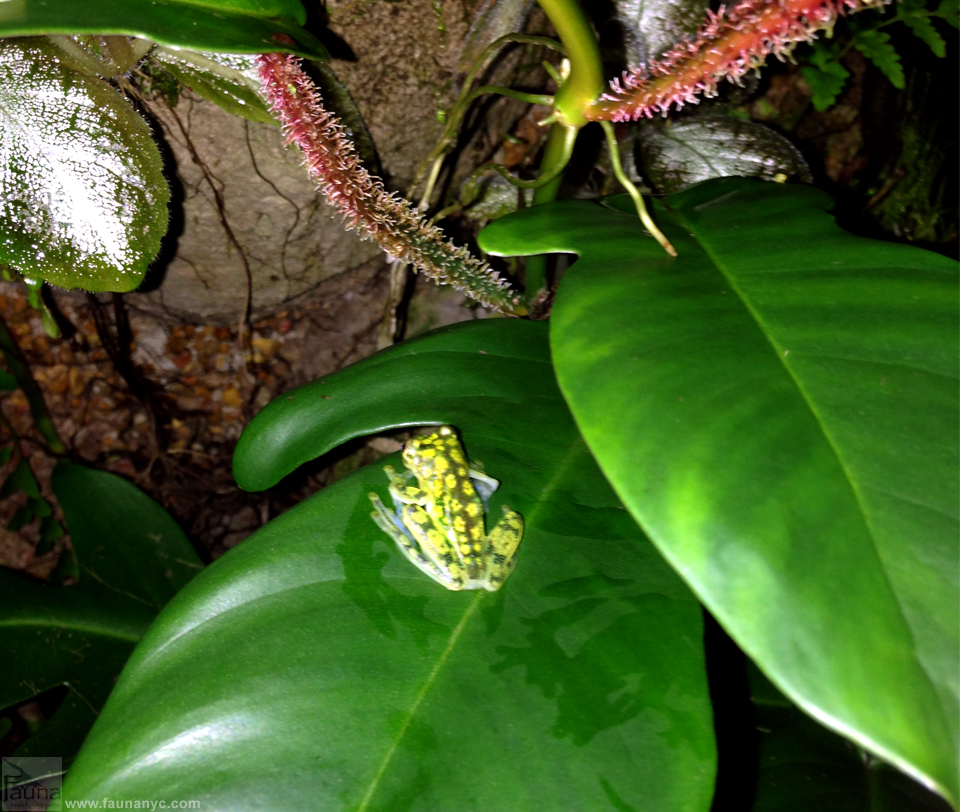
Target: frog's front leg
(402, 493)
(503, 544)
(388, 521)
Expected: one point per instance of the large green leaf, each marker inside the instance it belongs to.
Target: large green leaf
(77, 636)
(133, 558)
(778, 408)
(123, 540)
(316, 651)
(85, 200)
(230, 26)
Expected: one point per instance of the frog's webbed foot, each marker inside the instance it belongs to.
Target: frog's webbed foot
(504, 544)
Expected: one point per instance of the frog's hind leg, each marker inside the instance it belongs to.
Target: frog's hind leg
(425, 565)
(504, 545)
(392, 524)
(434, 554)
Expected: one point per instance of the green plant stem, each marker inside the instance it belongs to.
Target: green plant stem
(555, 158)
(435, 158)
(21, 371)
(81, 57)
(556, 155)
(579, 89)
(510, 93)
(552, 72)
(550, 174)
(585, 82)
(529, 98)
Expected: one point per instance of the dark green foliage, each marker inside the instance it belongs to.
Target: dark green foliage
(875, 46)
(777, 408)
(233, 26)
(132, 559)
(826, 75)
(715, 146)
(90, 216)
(581, 678)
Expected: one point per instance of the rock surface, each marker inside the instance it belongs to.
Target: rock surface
(239, 182)
(404, 71)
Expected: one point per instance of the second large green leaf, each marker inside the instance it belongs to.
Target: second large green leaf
(229, 26)
(84, 197)
(778, 408)
(313, 667)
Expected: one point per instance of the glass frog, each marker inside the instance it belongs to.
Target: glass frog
(438, 523)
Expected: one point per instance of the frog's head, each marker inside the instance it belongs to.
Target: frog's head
(420, 453)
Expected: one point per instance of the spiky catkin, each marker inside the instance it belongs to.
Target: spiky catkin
(731, 43)
(333, 162)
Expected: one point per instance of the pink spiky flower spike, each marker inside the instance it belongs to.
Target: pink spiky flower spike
(727, 46)
(333, 162)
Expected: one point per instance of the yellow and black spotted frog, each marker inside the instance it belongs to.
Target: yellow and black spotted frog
(438, 524)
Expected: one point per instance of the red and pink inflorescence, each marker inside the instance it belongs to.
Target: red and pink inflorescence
(731, 43)
(333, 162)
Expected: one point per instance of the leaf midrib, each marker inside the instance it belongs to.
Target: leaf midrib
(705, 245)
(577, 445)
(83, 628)
(431, 678)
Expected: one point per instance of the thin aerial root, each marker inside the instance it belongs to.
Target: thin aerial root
(633, 191)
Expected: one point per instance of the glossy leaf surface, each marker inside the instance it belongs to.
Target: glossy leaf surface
(123, 540)
(315, 649)
(133, 558)
(230, 26)
(84, 197)
(228, 80)
(715, 146)
(778, 408)
(651, 27)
